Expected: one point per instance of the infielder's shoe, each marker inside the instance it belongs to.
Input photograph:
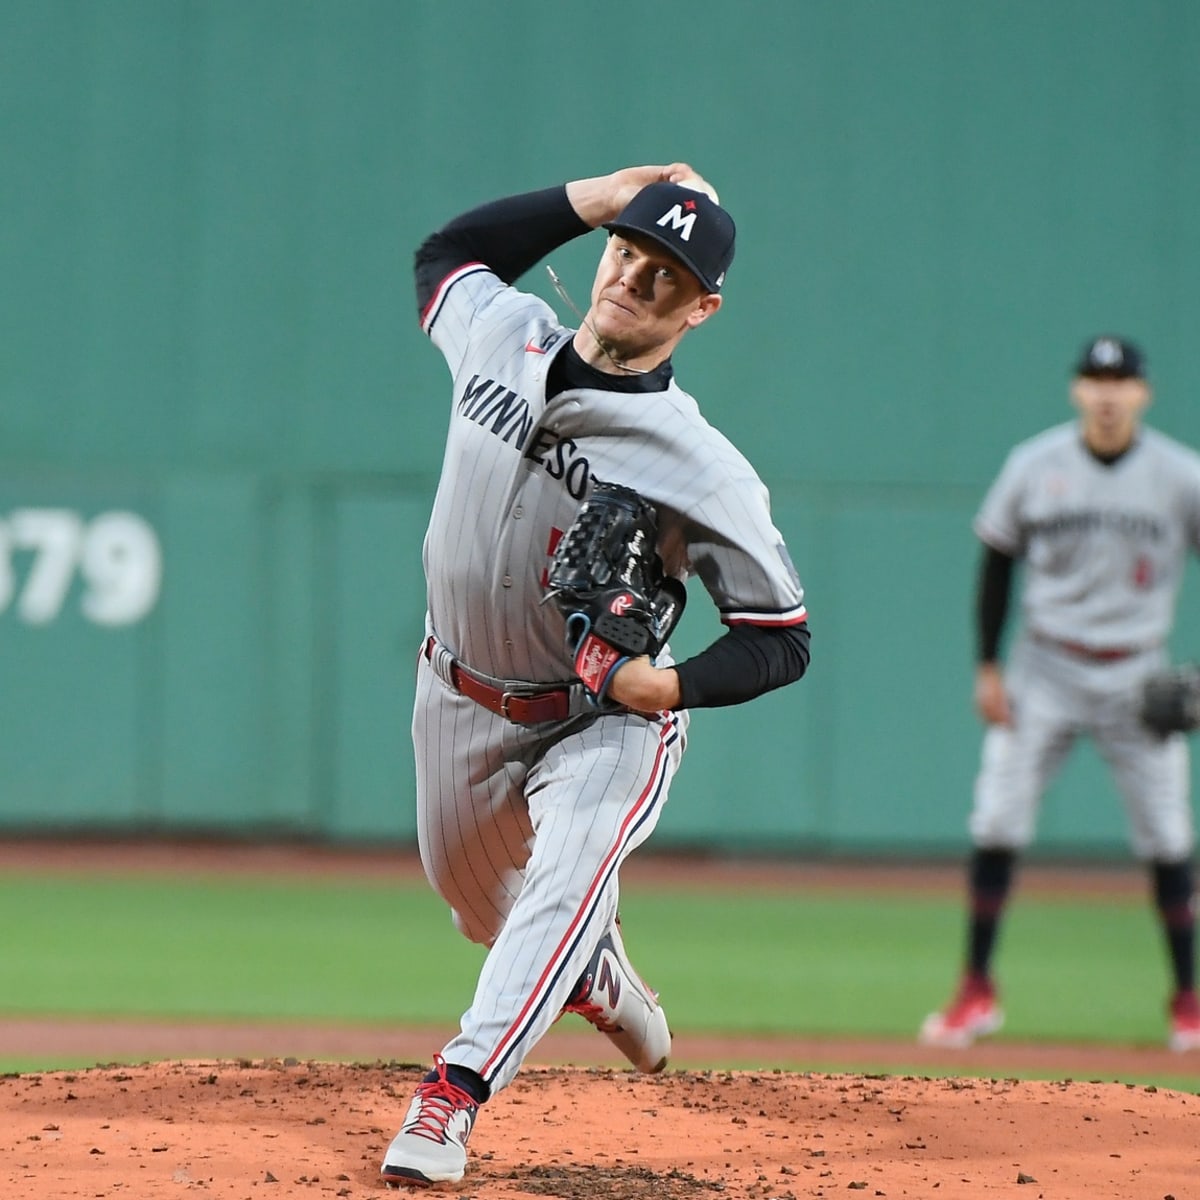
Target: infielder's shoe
(1185, 1021)
(973, 1013)
(612, 997)
(431, 1146)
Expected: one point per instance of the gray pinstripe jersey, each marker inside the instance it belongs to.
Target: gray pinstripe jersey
(517, 469)
(1104, 546)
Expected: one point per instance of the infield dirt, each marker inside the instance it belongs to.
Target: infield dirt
(254, 1111)
(241, 1129)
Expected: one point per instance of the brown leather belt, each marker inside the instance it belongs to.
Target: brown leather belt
(1094, 654)
(518, 707)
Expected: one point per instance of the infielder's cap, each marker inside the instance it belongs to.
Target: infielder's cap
(1110, 357)
(697, 230)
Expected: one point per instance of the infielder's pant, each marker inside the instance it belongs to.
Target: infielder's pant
(1056, 696)
(522, 830)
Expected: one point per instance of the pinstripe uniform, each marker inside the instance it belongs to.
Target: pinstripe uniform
(1102, 513)
(523, 827)
(1104, 548)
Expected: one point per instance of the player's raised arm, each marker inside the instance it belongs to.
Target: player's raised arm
(512, 234)
(508, 236)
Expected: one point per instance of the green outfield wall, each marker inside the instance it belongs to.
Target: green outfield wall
(220, 426)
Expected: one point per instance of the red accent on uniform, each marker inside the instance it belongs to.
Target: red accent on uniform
(765, 623)
(440, 290)
(531, 347)
(551, 545)
(689, 205)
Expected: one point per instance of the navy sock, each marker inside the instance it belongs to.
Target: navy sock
(989, 878)
(1173, 897)
(469, 1081)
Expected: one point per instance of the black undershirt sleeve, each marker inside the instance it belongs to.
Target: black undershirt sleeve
(991, 605)
(748, 661)
(508, 236)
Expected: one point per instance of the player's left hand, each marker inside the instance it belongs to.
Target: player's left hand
(991, 696)
(639, 685)
(607, 581)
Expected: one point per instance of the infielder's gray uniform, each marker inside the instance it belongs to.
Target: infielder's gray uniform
(1104, 548)
(516, 471)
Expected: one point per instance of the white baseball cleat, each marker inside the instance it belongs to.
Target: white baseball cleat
(973, 1013)
(431, 1146)
(612, 997)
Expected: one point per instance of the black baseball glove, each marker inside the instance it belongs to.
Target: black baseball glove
(1171, 700)
(608, 582)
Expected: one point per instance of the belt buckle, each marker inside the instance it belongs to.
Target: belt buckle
(505, 697)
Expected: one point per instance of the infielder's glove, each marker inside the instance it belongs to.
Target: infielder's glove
(1171, 700)
(607, 580)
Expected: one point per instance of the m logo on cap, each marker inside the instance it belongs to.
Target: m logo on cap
(675, 218)
(1106, 353)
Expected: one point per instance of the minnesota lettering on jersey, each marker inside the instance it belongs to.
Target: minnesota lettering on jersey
(560, 458)
(498, 409)
(1139, 526)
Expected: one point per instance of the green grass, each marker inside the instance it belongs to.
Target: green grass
(214, 949)
(876, 964)
(383, 953)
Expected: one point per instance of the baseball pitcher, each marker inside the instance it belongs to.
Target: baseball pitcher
(580, 489)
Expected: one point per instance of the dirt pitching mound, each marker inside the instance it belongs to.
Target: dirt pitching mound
(288, 1128)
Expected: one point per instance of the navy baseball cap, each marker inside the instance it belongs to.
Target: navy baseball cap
(1109, 357)
(689, 223)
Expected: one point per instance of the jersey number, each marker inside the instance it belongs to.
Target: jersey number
(551, 545)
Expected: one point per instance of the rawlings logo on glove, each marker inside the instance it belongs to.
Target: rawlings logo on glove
(595, 661)
(607, 580)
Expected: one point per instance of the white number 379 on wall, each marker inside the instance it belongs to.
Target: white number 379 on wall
(116, 556)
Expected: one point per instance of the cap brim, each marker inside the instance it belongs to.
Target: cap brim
(667, 245)
(1086, 372)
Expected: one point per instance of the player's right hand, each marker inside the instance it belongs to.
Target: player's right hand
(991, 696)
(627, 182)
(603, 197)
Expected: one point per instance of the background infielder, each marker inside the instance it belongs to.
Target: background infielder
(1102, 513)
(530, 794)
